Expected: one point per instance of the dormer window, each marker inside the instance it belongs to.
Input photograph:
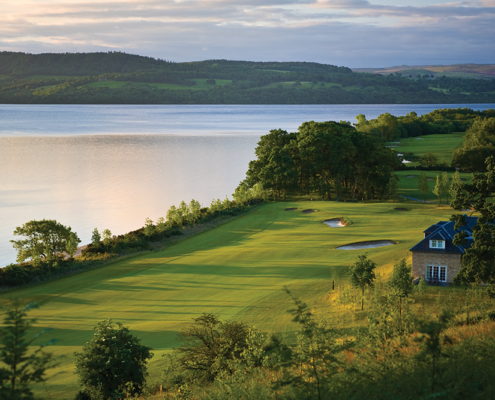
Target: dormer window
(437, 244)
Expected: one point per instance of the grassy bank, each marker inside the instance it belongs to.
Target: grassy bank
(237, 271)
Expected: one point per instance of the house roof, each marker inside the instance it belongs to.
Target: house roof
(444, 230)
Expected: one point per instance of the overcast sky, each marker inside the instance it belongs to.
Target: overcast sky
(354, 33)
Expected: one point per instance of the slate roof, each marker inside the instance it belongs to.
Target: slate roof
(444, 230)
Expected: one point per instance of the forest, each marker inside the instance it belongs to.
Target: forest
(120, 78)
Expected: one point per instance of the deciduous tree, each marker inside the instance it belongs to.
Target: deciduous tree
(113, 362)
(363, 275)
(43, 239)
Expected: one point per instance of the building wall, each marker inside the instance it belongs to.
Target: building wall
(421, 260)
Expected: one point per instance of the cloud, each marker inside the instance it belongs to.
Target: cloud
(343, 32)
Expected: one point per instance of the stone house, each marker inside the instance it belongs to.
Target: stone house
(436, 257)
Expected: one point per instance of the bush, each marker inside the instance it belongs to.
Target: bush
(113, 362)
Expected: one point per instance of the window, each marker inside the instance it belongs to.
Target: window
(436, 272)
(437, 244)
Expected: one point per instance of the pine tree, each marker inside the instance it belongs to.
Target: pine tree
(20, 365)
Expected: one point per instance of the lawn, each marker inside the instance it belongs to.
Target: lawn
(237, 270)
(441, 145)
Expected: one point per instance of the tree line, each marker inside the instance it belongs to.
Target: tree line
(46, 248)
(249, 85)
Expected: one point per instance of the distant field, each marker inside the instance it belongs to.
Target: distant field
(438, 89)
(237, 271)
(200, 84)
(441, 145)
(472, 71)
(108, 84)
(38, 77)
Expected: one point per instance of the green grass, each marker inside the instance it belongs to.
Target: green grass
(237, 270)
(441, 145)
(409, 186)
(108, 84)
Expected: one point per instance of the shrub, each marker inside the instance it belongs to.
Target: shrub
(113, 362)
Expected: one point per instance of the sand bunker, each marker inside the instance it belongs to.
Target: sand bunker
(401, 209)
(291, 209)
(308, 211)
(411, 176)
(419, 138)
(366, 245)
(335, 222)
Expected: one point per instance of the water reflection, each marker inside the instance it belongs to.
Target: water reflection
(113, 181)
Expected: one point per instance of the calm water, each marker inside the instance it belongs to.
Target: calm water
(112, 166)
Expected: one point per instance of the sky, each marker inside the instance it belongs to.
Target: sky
(353, 33)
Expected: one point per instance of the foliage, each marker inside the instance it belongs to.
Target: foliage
(428, 160)
(393, 187)
(423, 185)
(319, 157)
(439, 188)
(89, 78)
(479, 144)
(209, 345)
(112, 359)
(21, 367)
(401, 283)
(362, 275)
(149, 228)
(479, 261)
(95, 237)
(43, 239)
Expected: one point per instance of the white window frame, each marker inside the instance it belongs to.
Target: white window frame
(437, 244)
(436, 272)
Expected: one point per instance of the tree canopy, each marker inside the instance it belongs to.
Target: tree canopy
(323, 157)
(478, 264)
(43, 239)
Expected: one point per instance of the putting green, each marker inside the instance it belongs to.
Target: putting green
(237, 270)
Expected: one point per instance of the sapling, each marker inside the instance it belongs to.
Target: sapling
(149, 228)
(71, 246)
(401, 284)
(95, 237)
(107, 238)
(362, 275)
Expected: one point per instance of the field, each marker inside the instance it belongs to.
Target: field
(237, 270)
(200, 84)
(441, 145)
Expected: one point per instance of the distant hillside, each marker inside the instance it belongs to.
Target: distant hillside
(476, 71)
(120, 78)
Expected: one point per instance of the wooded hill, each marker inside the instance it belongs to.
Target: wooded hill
(120, 78)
